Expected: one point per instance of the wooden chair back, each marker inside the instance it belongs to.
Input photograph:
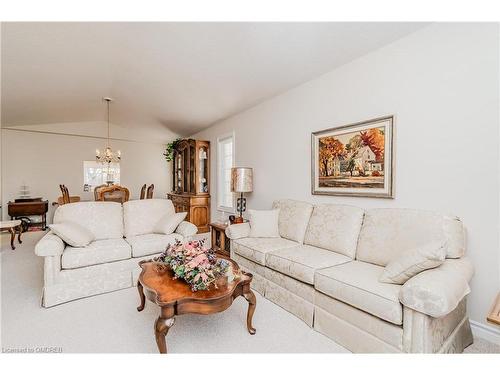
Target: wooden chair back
(113, 193)
(65, 194)
(72, 199)
(143, 192)
(96, 190)
(149, 194)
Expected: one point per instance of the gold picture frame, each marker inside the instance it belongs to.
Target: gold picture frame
(355, 159)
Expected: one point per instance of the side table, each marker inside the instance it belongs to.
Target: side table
(12, 226)
(494, 315)
(220, 243)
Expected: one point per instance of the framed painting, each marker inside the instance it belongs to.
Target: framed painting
(355, 159)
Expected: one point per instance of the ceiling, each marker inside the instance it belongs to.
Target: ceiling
(180, 77)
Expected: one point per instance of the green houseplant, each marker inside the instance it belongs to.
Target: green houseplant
(169, 151)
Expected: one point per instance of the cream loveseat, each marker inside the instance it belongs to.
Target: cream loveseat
(325, 269)
(123, 237)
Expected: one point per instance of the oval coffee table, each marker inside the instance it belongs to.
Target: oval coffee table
(174, 296)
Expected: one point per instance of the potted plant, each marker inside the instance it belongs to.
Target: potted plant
(169, 151)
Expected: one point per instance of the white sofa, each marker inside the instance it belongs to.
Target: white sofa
(123, 237)
(326, 265)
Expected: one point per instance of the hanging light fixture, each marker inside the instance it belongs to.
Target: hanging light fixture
(108, 156)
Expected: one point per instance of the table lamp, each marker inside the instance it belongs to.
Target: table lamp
(241, 182)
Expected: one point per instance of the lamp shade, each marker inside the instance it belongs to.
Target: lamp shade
(241, 180)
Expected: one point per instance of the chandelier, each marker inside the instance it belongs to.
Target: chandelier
(108, 155)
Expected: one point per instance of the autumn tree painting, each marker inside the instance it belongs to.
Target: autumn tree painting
(352, 159)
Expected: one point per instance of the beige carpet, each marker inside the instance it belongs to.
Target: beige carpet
(109, 323)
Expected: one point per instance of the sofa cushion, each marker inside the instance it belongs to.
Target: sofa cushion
(169, 223)
(73, 233)
(293, 219)
(335, 227)
(153, 243)
(263, 223)
(255, 249)
(97, 252)
(356, 283)
(411, 263)
(301, 262)
(388, 232)
(103, 219)
(141, 216)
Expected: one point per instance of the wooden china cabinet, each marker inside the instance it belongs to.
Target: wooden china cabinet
(191, 181)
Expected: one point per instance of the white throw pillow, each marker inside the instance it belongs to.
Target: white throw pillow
(169, 223)
(72, 233)
(411, 263)
(264, 223)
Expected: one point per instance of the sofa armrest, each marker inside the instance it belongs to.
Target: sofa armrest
(438, 291)
(49, 245)
(236, 231)
(186, 229)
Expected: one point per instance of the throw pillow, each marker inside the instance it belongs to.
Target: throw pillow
(411, 263)
(72, 233)
(169, 223)
(264, 223)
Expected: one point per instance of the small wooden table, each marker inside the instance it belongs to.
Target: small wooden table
(29, 207)
(220, 242)
(494, 315)
(174, 297)
(12, 226)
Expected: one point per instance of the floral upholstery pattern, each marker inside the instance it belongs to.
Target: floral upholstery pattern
(49, 245)
(103, 219)
(153, 243)
(302, 262)
(236, 231)
(97, 252)
(141, 216)
(356, 283)
(255, 249)
(387, 332)
(335, 227)
(293, 218)
(388, 232)
(106, 264)
(425, 293)
(347, 302)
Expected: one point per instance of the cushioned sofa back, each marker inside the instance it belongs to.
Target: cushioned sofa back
(140, 216)
(293, 219)
(335, 227)
(386, 233)
(103, 219)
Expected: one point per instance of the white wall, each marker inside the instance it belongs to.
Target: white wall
(43, 161)
(442, 84)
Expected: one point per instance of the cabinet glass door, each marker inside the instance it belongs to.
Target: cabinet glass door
(203, 168)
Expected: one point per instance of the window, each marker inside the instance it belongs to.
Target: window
(225, 161)
(96, 173)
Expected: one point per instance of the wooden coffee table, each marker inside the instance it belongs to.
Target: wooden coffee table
(174, 297)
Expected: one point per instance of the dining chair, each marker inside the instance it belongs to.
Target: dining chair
(96, 190)
(149, 194)
(65, 194)
(113, 193)
(143, 192)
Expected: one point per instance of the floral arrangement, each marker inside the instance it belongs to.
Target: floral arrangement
(192, 262)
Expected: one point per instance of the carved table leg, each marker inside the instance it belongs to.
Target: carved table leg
(142, 296)
(250, 297)
(162, 325)
(20, 230)
(12, 238)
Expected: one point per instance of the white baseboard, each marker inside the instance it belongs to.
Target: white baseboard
(485, 332)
